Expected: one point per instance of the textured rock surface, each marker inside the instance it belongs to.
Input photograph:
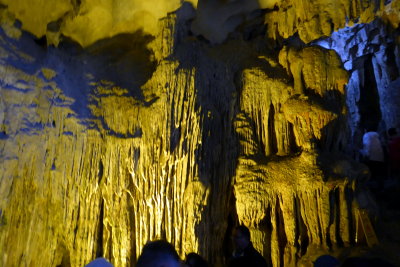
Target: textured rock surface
(370, 52)
(284, 128)
(156, 133)
(138, 166)
(87, 21)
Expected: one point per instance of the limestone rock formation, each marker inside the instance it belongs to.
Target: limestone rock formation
(125, 121)
(371, 55)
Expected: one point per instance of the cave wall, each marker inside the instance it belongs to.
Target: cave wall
(118, 137)
(370, 54)
(138, 166)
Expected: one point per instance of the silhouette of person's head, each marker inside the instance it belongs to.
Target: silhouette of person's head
(241, 237)
(195, 260)
(158, 253)
(326, 261)
(99, 262)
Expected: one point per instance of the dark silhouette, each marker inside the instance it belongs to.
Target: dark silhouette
(99, 262)
(326, 261)
(394, 152)
(364, 262)
(195, 260)
(245, 254)
(157, 254)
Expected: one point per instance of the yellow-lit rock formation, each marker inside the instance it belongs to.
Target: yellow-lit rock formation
(138, 120)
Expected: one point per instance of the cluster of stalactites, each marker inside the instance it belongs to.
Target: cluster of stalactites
(292, 112)
(282, 114)
(290, 210)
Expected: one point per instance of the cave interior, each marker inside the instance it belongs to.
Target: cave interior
(128, 121)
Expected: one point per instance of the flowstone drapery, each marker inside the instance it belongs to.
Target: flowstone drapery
(176, 132)
(289, 118)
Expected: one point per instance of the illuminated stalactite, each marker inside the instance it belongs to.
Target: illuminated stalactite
(169, 136)
(285, 189)
(125, 174)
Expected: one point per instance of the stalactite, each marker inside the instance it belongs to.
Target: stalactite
(92, 166)
(312, 20)
(294, 184)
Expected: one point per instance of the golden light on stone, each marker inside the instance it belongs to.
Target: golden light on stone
(138, 120)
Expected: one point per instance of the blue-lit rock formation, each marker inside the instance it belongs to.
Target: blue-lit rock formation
(122, 123)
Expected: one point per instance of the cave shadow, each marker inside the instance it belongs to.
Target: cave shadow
(333, 145)
(123, 61)
(337, 162)
(369, 103)
(216, 157)
(218, 89)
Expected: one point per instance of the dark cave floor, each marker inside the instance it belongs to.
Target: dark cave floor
(386, 223)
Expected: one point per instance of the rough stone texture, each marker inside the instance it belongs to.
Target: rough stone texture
(280, 186)
(87, 21)
(370, 52)
(138, 166)
(315, 19)
(166, 135)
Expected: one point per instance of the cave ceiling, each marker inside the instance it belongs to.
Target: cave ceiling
(87, 21)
